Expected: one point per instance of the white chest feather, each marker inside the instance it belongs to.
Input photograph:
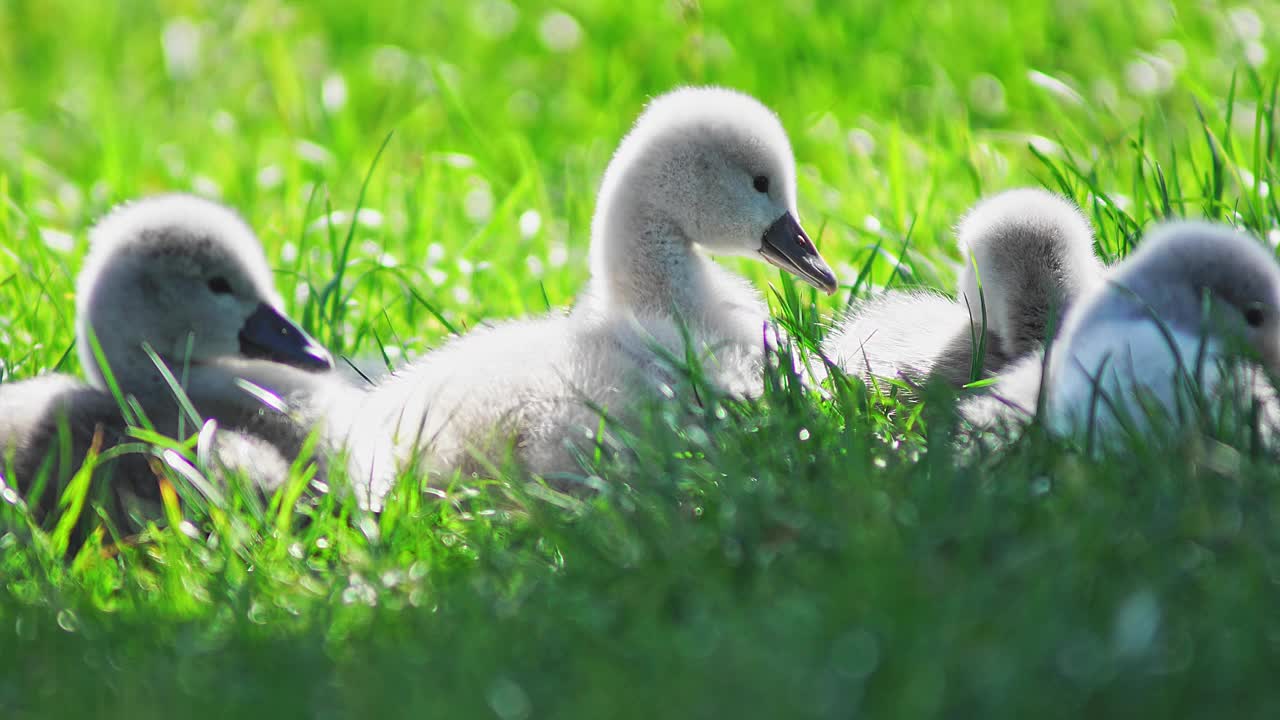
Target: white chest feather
(1127, 371)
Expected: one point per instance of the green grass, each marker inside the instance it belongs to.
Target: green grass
(799, 557)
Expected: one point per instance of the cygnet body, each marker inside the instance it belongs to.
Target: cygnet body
(914, 336)
(703, 170)
(1033, 253)
(188, 279)
(1192, 297)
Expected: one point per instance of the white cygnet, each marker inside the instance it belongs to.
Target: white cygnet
(188, 279)
(1158, 333)
(704, 170)
(1033, 254)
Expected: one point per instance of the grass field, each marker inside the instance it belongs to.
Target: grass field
(798, 557)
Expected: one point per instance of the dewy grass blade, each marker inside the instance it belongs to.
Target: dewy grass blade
(71, 503)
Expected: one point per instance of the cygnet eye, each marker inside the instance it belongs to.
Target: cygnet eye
(219, 285)
(761, 183)
(1254, 316)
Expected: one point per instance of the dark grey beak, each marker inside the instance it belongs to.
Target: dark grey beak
(785, 245)
(269, 335)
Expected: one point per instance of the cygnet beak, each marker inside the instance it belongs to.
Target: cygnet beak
(786, 245)
(269, 335)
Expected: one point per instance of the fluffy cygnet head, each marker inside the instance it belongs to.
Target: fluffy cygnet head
(1193, 294)
(1200, 280)
(189, 278)
(704, 166)
(1033, 252)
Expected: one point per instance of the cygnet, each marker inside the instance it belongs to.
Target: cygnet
(186, 278)
(703, 171)
(1027, 255)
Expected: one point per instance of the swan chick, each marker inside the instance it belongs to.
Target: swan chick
(703, 171)
(1032, 251)
(186, 279)
(1193, 296)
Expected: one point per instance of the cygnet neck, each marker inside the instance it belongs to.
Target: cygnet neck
(214, 387)
(217, 388)
(131, 368)
(647, 264)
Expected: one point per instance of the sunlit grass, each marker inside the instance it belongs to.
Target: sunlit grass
(417, 168)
